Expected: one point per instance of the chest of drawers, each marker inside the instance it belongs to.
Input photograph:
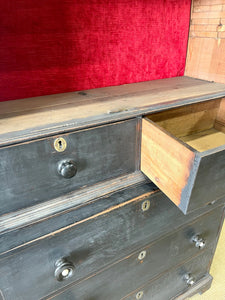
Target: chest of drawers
(82, 214)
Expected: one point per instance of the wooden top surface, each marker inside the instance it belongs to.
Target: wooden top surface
(31, 118)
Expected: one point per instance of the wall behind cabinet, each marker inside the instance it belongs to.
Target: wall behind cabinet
(206, 46)
(55, 46)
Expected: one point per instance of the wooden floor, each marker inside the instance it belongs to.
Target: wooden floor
(217, 290)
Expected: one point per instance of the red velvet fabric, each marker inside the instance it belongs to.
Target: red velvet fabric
(55, 46)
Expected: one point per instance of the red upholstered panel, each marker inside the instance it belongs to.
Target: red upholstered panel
(55, 46)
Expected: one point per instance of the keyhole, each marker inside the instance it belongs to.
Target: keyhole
(139, 295)
(60, 144)
(145, 205)
(142, 255)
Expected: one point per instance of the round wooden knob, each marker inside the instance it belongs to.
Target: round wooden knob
(67, 168)
(189, 279)
(64, 269)
(198, 241)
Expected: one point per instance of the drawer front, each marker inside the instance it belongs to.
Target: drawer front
(210, 180)
(183, 153)
(87, 249)
(173, 283)
(163, 216)
(119, 281)
(33, 172)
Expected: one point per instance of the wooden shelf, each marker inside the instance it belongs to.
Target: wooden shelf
(31, 118)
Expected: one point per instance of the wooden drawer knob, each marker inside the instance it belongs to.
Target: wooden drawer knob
(199, 242)
(64, 269)
(189, 279)
(67, 168)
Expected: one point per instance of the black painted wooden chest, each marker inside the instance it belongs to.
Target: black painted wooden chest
(114, 193)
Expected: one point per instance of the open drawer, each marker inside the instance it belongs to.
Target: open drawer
(183, 153)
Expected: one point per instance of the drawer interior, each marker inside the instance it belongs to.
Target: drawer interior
(201, 125)
(183, 150)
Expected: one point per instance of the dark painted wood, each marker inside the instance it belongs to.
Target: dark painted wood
(163, 217)
(171, 284)
(28, 172)
(127, 201)
(129, 276)
(209, 184)
(199, 288)
(101, 237)
(97, 244)
(35, 213)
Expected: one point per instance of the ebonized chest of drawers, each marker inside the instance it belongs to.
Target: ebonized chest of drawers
(113, 193)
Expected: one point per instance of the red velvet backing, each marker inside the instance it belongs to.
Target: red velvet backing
(55, 46)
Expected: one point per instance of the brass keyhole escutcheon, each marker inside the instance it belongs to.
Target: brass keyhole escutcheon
(142, 255)
(145, 205)
(60, 144)
(139, 295)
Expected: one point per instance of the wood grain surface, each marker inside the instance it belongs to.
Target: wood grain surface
(31, 118)
(186, 120)
(181, 151)
(205, 140)
(205, 59)
(165, 160)
(206, 46)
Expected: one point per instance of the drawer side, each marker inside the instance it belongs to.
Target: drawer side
(166, 161)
